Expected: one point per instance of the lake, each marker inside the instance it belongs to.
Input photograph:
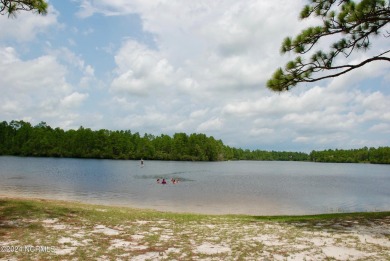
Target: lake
(232, 187)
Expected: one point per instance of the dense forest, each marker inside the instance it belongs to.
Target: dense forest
(22, 139)
(379, 155)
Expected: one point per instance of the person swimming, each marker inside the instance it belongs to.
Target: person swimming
(163, 181)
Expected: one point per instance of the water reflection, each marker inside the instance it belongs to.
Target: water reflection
(258, 188)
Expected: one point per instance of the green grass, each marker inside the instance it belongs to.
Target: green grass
(318, 217)
(13, 209)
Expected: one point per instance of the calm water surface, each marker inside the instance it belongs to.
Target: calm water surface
(246, 187)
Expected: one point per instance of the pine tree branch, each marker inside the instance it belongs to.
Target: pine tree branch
(356, 21)
(11, 7)
(350, 68)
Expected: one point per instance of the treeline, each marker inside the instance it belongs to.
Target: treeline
(20, 138)
(379, 155)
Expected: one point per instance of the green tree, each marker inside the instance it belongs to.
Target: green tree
(180, 146)
(41, 141)
(353, 22)
(20, 138)
(11, 7)
(7, 134)
(163, 145)
(22, 134)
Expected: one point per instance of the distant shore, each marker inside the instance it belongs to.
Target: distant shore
(49, 229)
(45, 141)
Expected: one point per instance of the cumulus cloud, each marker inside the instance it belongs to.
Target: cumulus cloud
(73, 100)
(218, 45)
(31, 75)
(36, 89)
(141, 70)
(8, 55)
(106, 7)
(381, 127)
(27, 25)
(210, 125)
(67, 56)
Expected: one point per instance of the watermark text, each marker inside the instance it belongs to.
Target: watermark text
(27, 249)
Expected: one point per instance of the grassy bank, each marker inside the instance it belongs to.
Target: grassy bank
(56, 230)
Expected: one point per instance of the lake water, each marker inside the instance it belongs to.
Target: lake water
(234, 187)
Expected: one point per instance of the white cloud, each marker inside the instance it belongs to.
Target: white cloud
(8, 55)
(141, 70)
(261, 131)
(381, 127)
(199, 113)
(27, 25)
(210, 125)
(215, 45)
(76, 64)
(10, 107)
(89, 71)
(32, 75)
(107, 7)
(73, 100)
(355, 77)
(67, 56)
(36, 89)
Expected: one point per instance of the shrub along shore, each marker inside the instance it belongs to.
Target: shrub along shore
(35, 229)
(20, 138)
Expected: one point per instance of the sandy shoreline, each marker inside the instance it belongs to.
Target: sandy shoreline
(163, 236)
(237, 209)
(196, 209)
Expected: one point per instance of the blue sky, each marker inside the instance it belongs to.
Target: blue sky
(162, 67)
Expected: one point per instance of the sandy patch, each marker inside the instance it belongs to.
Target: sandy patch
(318, 241)
(65, 251)
(343, 253)
(59, 227)
(268, 240)
(137, 237)
(105, 230)
(382, 241)
(9, 243)
(119, 243)
(142, 222)
(163, 222)
(307, 256)
(154, 229)
(126, 245)
(147, 256)
(50, 221)
(9, 259)
(210, 226)
(165, 237)
(79, 234)
(211, 249)
(103, 258)
(173, 250)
